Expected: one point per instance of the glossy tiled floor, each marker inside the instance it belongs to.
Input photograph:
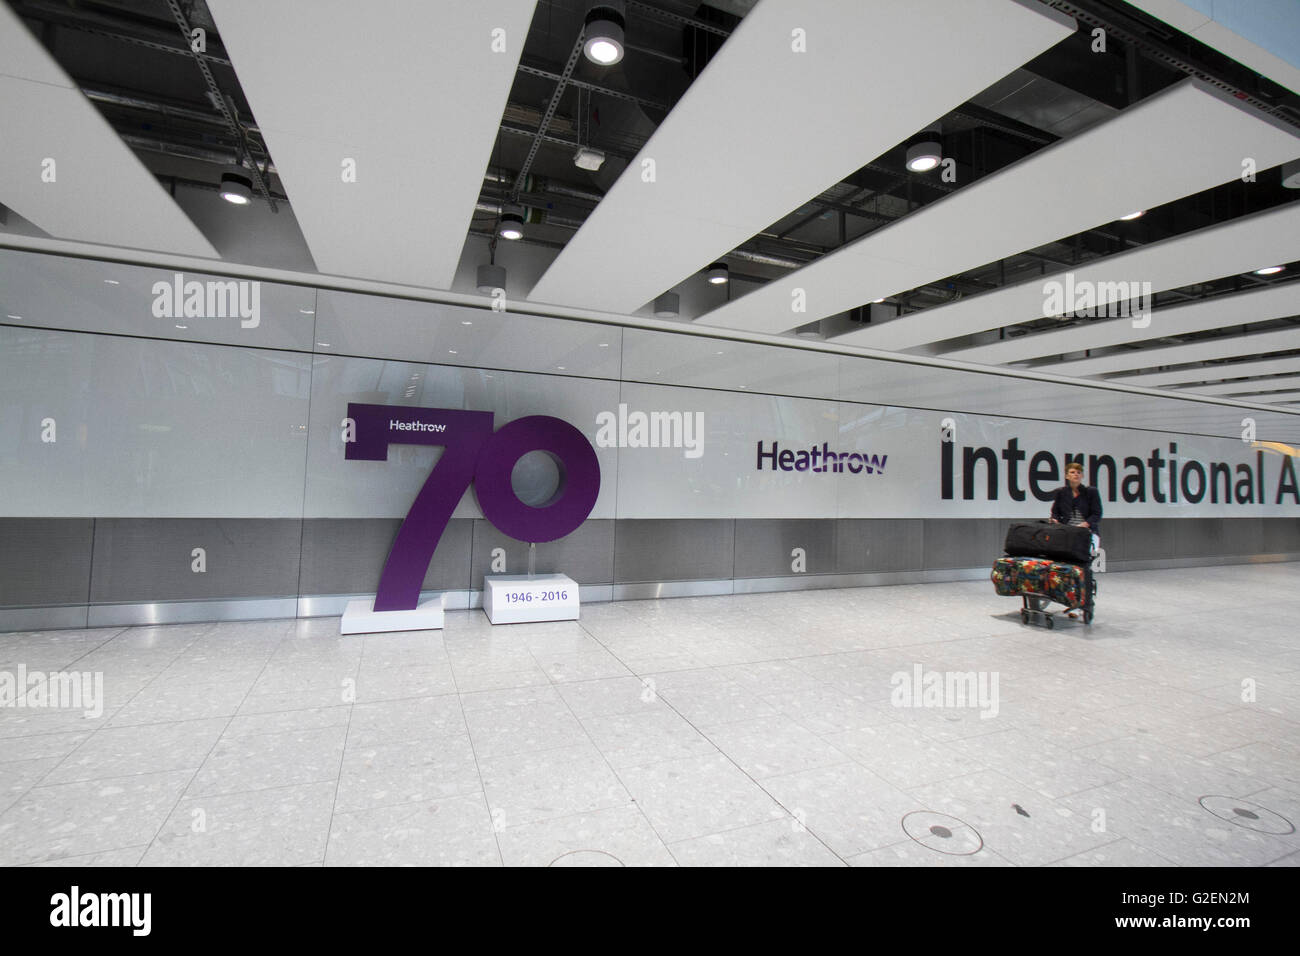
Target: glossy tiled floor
(733, 730)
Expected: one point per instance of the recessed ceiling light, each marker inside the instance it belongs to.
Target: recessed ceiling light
(560, 368)
(877, 301)
(323, 345)
(1269, 270)
(925, 152)
(466, 322)
(182, 326)
(1291, 174)
(603, 345)
(452, 352)
(1133, 215)
(15, 316)
(307, 311)
(112, 282)
(603, 41)
(717, 273)
(511, 224)
(236, 188)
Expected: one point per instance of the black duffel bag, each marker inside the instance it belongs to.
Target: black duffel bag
(1045, 539)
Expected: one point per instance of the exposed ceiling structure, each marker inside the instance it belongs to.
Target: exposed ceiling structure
(386, 140)
(63, 168)
(757, 134)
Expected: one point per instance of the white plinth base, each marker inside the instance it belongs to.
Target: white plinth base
(520, 599)
(360, 617)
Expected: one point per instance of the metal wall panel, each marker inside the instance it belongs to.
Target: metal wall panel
(674, 550)
(962, 544)
(764, 548)
(1281, 535)
(586, 555)
(44, 561)
(1146, 539)
(880, 544)
(151, 559)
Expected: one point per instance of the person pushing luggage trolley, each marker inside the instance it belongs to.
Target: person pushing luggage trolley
(1051, 560)
(1078, 504)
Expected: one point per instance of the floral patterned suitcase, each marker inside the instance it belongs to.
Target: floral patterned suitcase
(1066, 584)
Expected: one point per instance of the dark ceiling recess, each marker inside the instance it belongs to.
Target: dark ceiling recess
(700, 45)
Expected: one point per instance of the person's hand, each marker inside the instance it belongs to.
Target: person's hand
(1085, 525)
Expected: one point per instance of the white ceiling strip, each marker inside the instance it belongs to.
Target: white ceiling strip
(1231, 248)
(1212, 373)
(799, 97)
(1270, 398)
(62, 166)
(1259, 343)
(381, 118)
(1248, 387)
(1258, 305)
(1180, 141)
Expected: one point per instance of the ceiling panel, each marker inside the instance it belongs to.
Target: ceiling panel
(1211, 373)
(1259, 343)
(1180, 141)
(1233, 248)
(1271, 398)
(411, 93)
(764, 128)
(100, 192)
(1259, 305)
(1251, 387)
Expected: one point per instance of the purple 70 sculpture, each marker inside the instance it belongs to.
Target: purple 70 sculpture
(474, 454)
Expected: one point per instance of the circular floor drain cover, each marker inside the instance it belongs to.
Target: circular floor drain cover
(942, 833)
(586, 858)
(1252, 816)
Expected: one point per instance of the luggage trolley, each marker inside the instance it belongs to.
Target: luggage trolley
(1029, 570)
(1034, 605)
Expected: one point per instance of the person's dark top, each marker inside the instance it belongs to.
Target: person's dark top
(1088, 503)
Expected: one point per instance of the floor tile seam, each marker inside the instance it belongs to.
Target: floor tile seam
(478, 767)
(759, 784)
(197, 770)
(746, 826)
(909, 841)
(605, 758)
(73, 856)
